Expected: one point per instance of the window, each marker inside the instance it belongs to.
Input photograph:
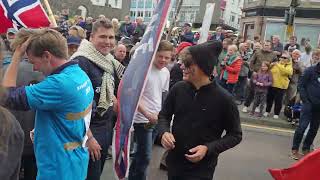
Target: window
(232, 18)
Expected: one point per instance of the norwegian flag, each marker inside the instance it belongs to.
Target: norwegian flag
(132, 85)
(22, 13)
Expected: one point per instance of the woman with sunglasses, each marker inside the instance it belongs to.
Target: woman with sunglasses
(281, 72)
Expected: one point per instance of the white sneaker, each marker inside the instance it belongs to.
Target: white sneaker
(257, 110)
(245, 109)
(266, 114)
(275, 117)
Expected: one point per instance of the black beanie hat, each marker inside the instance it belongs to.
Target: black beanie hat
(206, 55)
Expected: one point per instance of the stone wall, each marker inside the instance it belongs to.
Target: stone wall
(93, 10)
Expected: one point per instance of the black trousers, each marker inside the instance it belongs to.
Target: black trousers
(275, 95)
(28, 163)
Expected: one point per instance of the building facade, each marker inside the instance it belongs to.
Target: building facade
(266, 18)
(231, 12)
(109, 8)
(227, 13)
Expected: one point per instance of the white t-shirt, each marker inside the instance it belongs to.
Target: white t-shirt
(306, 59)
(151, 100)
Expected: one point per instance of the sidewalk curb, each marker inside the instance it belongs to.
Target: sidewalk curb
(277, 123)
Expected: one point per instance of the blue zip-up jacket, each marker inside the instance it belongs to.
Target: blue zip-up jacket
(309, 85)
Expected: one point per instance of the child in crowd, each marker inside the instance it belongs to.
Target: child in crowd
(231, 67)
(262, 81)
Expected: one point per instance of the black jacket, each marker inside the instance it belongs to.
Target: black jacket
(176, 74)
(309, 86)
(200, 117)
(95, 74)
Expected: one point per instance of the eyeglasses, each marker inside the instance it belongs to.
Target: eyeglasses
(284, 58)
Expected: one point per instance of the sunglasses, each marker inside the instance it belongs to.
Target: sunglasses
(284, 58)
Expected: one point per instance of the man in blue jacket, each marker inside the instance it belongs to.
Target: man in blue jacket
(62, 101)
(309, 88)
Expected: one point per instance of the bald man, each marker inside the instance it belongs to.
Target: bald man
(120, 53)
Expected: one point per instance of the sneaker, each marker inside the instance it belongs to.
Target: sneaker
(251, 113)
(275, 117)
(266, 114)
(257, 110)
(108, 156)
(245, 109)
(295, 155)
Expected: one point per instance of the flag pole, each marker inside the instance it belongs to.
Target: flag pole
(50, 14)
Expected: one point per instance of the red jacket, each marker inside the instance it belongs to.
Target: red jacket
(233, 70)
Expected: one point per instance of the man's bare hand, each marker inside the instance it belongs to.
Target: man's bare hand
(168, 140)
(94, 149)
(197, 153)
(21, 49)
(153, 118)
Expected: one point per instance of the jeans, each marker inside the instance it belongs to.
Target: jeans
(103, 136)
(227, 86)
(142, 157)
(28, 163)
(250, 94)
(308, 115)
(275, 95)
(240, 87)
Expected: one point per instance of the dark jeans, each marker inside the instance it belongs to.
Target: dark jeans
(28, 163)
(240, 87)
(186, 178)
(249, 94)
(227, 86)
(308, 115)
(275, 95)
(142, 157)
(104, 137)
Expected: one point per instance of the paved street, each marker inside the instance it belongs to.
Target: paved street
(261, 148)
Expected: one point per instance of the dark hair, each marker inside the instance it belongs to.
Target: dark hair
(107, 24)
(257, 37)
(293, 38)
(228, 40)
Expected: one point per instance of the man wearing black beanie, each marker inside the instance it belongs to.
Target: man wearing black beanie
(202, 111)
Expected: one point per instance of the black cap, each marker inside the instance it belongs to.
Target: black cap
(206, 55)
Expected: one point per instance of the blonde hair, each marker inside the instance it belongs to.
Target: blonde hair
(234, 47)
(80, 32)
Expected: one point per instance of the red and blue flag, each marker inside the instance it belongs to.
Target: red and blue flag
(132, 85)
(22, 13)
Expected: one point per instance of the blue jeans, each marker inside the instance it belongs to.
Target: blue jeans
(308, 115)
(142, 157)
